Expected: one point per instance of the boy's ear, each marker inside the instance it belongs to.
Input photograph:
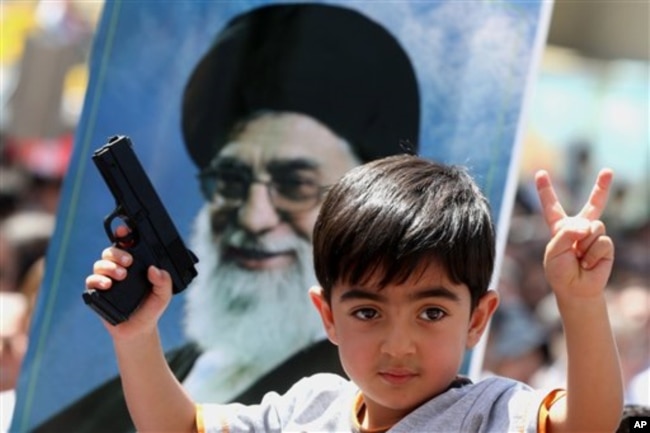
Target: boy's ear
(325, 310)
(481, 316)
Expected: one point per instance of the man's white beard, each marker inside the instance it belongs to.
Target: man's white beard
(246, 322)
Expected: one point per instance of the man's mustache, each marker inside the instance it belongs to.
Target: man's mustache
(263, 245)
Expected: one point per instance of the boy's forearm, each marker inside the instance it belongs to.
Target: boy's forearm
(156, 400)
(594, 384)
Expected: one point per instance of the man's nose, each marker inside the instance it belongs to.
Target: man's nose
(257, 214)
(398, 340)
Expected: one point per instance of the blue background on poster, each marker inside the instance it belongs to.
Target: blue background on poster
(473, 60)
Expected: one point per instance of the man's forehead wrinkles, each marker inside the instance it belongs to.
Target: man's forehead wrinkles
(273, 164)
(291, 163)
(230, 161)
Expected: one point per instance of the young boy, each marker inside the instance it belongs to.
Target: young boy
(404, 251)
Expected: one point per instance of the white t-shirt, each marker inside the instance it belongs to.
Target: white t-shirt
(328, 403)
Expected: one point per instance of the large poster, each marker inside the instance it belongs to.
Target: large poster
(218, 97)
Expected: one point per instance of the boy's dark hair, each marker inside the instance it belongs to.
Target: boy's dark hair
(396, 214)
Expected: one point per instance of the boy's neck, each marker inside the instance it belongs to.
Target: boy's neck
(361, 420)
(369, 424)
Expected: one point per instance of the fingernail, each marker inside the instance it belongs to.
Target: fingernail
(584, 264)
(120, 272)
(125, 260)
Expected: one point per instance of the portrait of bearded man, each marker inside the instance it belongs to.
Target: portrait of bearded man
(269, 133)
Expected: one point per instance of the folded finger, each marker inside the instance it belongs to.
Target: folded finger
(117, 255)
(109, 268)
(601, 249)
(97, 281)
(596, 229)
(572, 230)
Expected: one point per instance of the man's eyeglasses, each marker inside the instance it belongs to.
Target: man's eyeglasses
(287, 192)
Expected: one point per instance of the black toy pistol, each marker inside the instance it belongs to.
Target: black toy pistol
(153, 238)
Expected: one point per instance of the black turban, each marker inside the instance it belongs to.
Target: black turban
(328, 62)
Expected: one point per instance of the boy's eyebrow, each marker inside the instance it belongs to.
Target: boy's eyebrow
(434, 292)
(361, 294)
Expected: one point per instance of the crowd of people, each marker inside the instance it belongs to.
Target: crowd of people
(45, 47)
(29, 194)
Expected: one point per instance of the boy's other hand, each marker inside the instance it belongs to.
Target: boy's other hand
(113, 265)
(579, 257)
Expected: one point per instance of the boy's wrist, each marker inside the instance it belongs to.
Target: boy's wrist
(581, 305)
(133, 341)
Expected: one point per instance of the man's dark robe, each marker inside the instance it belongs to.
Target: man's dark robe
(104, 408)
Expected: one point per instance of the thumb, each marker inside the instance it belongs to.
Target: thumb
(161, 284)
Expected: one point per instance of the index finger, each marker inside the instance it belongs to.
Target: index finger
(595, 205)
(551, 207)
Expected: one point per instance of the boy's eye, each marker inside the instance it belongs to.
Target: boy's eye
(432, 314)
(365, 313)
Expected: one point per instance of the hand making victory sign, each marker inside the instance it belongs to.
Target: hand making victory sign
(579, 256)
(578, 262)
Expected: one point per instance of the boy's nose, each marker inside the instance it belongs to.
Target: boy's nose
(398, 341)
(257, 214)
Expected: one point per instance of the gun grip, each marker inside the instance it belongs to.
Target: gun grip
(123, 298)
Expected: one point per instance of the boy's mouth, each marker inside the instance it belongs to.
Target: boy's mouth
(397, 376)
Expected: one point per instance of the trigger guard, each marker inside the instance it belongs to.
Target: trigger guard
(123, 241)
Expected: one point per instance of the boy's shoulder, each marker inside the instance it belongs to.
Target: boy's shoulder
(491, 404)
(321, 402)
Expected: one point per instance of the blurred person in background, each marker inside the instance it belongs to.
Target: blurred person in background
(24, 238)
(8, 265)
(633, 302)
(14, 325)
(42, 164)
(28, 234)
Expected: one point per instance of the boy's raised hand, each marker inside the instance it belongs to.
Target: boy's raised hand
(114, 265)
(579, 257)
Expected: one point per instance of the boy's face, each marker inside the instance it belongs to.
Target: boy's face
(403, 344)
